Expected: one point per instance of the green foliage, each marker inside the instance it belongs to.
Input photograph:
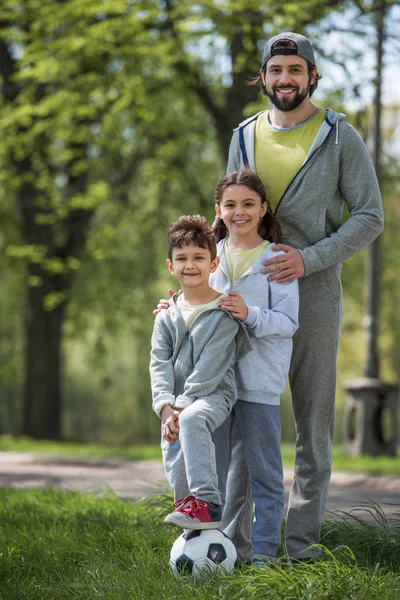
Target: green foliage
(116, 119)
(374, 542)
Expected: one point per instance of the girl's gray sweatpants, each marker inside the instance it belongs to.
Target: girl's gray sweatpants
(313, 382)
(260, 433)
(189, 461)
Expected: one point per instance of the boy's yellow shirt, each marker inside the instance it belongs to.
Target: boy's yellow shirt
(190, 312)
(280, 153)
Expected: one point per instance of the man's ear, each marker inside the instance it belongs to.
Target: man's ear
(313, 76)
(214, 264)
(170, 266)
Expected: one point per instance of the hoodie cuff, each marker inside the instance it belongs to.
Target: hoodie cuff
(183, 401)
(312, 264)
(251, 318)
(161, 401)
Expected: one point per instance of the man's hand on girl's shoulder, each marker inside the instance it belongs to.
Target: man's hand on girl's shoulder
(285, 267)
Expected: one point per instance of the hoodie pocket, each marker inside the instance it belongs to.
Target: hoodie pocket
(250, 371)
(332, 277)
(304, 229)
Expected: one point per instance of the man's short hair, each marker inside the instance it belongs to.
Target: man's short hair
(191, 231)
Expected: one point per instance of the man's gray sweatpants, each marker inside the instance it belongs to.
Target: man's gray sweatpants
(313, 381)
(189, 461)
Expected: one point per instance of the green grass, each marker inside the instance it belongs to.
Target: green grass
(87, 451)
(65, 546)
(374, 465)
(381, 465)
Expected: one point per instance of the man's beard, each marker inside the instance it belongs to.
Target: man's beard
(287, 104)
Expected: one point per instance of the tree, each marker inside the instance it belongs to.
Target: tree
(61, 85)
(82, 89)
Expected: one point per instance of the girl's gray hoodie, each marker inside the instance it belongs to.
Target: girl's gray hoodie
(186, 365)
(271, 323)
(337, 169)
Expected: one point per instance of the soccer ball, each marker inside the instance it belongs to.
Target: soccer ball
(202, 552)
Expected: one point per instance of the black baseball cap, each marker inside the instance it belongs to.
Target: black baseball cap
(303, 47)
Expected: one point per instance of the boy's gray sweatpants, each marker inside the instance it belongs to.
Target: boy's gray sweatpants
(189, 461)
(313, 381)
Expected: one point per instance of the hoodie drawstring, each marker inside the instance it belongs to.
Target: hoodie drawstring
(337, 133)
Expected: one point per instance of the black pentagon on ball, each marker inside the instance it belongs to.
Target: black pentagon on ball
(216, 553)
(191, 533)
(184, 565)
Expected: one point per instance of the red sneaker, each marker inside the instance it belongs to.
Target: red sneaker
(191, 513)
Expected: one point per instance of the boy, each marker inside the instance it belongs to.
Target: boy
(194, 346)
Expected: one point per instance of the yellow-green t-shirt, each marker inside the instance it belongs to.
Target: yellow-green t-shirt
(280, 153)
(239, 261)
(190, 312)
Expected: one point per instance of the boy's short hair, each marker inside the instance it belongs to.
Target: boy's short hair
(191, 230)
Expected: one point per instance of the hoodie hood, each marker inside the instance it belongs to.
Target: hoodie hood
(246, 131)
(332, 117)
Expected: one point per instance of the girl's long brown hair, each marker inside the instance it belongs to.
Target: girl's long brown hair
(269, 227)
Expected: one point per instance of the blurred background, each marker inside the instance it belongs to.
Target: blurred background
(116, 117)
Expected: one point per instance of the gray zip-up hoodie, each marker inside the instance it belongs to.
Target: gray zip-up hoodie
(186, 365)
(271, 322)
(337, 169)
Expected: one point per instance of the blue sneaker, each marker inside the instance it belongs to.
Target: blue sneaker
(263, 561)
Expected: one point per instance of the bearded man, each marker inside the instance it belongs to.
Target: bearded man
(311, 162)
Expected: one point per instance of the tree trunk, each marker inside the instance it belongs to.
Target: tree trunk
(371, 367)
(41, 418)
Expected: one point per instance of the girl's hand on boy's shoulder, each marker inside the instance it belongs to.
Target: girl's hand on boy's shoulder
(235, 305)
(163, 303)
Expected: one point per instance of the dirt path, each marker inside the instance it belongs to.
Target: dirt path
(132, 480)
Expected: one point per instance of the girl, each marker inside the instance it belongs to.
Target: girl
(246, 231)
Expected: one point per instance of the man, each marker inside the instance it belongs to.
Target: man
(311, 161)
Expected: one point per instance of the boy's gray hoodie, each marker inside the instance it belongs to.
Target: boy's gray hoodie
(186, 365)
(337, 168)
(271, 322)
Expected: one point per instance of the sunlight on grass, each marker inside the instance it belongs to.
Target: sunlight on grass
(64, 545)
(70, 449)
(373, 465)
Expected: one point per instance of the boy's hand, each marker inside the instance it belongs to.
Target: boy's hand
(170, 423)
(236, 305)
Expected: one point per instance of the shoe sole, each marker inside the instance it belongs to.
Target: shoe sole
(177, 521)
